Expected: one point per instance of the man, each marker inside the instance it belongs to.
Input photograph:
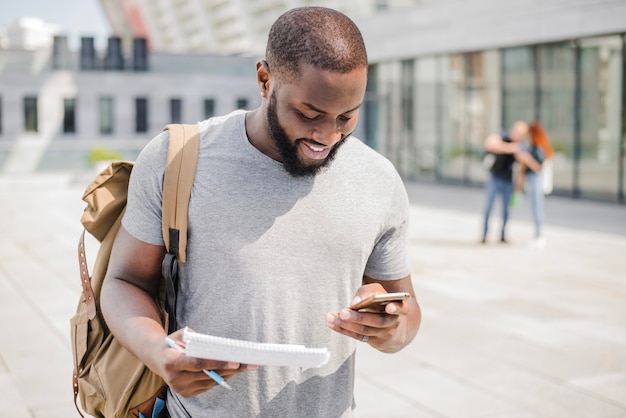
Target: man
(290, 221)
(506, 148)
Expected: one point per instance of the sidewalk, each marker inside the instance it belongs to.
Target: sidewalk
(507, 331)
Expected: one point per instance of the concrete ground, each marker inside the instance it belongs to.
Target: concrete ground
(507, 331)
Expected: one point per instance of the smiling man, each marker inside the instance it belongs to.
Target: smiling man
(291, 221)
(323, 130)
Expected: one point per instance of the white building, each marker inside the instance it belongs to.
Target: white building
(443, 75)
(58, 106)
(218, 26)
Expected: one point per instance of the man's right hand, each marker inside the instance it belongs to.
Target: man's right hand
(186, 376)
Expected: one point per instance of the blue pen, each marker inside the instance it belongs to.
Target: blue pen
(212, 374)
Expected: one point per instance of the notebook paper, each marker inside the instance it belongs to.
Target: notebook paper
(248, 352)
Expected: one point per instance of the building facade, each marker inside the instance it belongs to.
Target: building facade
(218, 26)
(60, 109)
(445, 75)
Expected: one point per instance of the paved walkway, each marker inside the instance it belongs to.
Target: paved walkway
(507, 331)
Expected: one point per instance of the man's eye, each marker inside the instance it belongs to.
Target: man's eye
(305, 117)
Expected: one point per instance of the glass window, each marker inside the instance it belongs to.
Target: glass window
(30, 114)
(622, 151)
(69, 116)
(209, 108)
(141, 115)
(431, 115)
(371, 108)
(381, 5)
(242, 103)
(388, 98)
(452, 150)
(518, 85)
(482, 109)
(600, 119)
(407, 95)
(557, 86)
(406, 144)
(106, 115)
(428, 115)
(176, 110)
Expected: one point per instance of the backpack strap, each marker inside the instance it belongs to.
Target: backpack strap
(180, 172)
(85, 279)
(182, 158)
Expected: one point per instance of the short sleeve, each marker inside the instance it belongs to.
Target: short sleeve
(143, 212)
(389, 259)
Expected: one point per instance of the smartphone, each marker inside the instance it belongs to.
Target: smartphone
(377, 302)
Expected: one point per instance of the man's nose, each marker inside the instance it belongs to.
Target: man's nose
(327, 134)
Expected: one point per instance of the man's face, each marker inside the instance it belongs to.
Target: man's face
(519, 131)
(308, 120)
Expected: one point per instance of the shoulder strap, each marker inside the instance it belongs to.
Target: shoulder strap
(182, 158)
(180, 171)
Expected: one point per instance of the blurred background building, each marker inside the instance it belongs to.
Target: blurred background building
(444, 74)
(219, 26)
(447, 73)
(62, 109)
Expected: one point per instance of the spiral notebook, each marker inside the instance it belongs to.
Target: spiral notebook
(248, 352)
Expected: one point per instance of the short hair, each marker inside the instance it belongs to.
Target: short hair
(319, 36)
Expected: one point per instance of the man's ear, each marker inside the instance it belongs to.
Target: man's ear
(263, 77)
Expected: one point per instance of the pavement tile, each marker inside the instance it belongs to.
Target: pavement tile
(385, 401)
(11, 401)
(549, 397)
(507, 331)
(611, 385)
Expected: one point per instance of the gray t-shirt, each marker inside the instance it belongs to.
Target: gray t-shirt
(269, 255)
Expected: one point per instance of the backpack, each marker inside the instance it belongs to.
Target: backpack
(109, 380)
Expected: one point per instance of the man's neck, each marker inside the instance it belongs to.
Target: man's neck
(258, 134)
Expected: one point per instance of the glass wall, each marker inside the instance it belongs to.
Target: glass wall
(407, 142)
(622, 149)
(430, 115)
(482, 114)
(471, 85)
(518, 85)
(601, 78)
(427, 113)
(556, 107)
(385, 100)
(452, 148)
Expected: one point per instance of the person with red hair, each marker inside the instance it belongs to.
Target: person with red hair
(532, 177)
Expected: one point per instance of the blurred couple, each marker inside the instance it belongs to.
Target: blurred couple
(532, 175)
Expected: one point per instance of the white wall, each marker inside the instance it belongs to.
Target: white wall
(446, 26)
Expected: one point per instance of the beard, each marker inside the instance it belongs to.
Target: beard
(289, 152)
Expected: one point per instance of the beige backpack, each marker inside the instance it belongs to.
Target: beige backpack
(109, 380)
